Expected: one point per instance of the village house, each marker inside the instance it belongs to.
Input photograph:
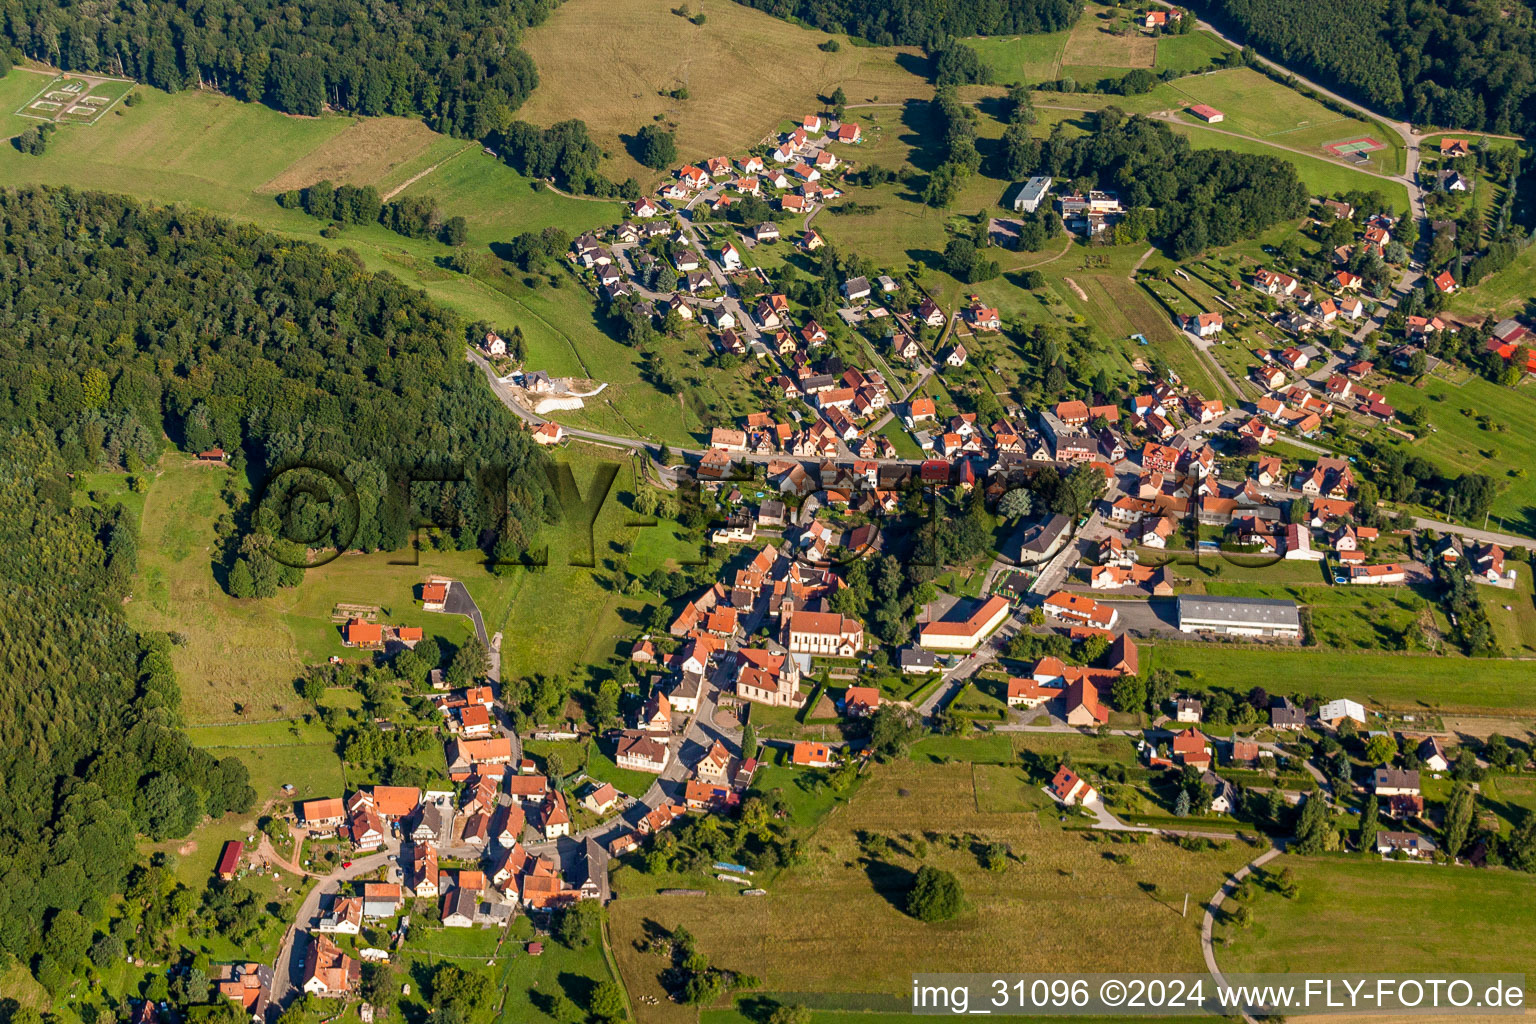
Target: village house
(1068, 788)
(1409, 843)
(327, 970)
(1432, 755)
(638, 751)
(807, 754)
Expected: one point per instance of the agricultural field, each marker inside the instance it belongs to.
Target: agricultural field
(1066, 899)
(744, 71)
(1405, 682)
(1351, 908)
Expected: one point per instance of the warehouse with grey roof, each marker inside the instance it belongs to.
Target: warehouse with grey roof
(1240, 616)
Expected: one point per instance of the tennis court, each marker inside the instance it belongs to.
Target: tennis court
(1355, 147)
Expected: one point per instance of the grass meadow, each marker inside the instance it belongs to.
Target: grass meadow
(1351, 908)
(744, 71)
(249, 652)
(1479, 427)
(1403, 682)
(1067, 899)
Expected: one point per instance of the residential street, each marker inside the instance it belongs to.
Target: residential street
(287, 972)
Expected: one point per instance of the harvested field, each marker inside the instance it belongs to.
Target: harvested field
(362, 154)
(744, 71)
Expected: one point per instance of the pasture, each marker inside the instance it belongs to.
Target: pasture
(364, 152)
(241, 657)
(1350, 909)
(1067, 898)
(1479, 427)
(1401, 682)
(744, 71)
(1026, 58)
(1103, 39)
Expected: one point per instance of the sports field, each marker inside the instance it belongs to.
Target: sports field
(1321, 176)
(1258, 106)
(744, 70)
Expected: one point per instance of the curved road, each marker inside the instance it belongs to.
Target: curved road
(1405, 131)
(1208, 923)
(286, 973)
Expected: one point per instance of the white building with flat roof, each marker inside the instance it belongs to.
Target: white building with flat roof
(1031, 194)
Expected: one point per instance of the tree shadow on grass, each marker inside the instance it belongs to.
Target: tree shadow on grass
(1150, 889)
(757, 1009)
(891, 881)
(919, 66)
(930, 258)
(577, 987)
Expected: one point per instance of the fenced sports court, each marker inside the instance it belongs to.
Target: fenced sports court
(1357, 148)
(76, 99)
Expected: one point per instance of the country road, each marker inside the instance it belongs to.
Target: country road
(1208, 923)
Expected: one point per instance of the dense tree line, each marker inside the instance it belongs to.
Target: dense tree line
(1188, 199)
(564, 152)
(91, 748)
(925, 22)
(1464, 65)
(280, 353)
(411, 216)
(456, 65)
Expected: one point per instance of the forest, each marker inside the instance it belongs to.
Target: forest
(1438, 62)
(91, 747)
(925, 22)
(122, 324)
(458, 66)
(1188, 199)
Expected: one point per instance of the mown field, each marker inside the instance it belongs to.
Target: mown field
(744, 71)
(1352, 909)
(1257, 105)
(1066, 903)
(1479, 427)
(1406, 682)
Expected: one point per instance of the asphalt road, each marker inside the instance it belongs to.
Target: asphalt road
(287, 971)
